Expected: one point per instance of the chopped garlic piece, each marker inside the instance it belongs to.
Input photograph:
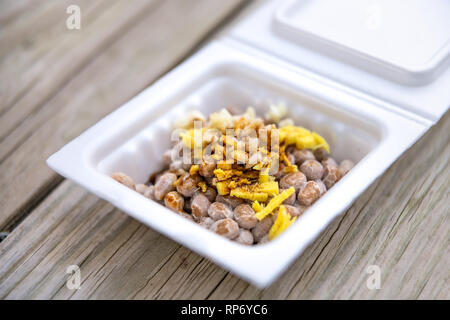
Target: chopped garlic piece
(221, 120)
(187, 121)
(285, 122)
(276, 112)
(250, 113)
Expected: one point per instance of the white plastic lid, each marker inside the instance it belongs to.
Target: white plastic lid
(395, 50)
(405, 40)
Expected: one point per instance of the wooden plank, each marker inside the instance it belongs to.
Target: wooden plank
(42, 61)
(123, 68)
(12, 9)
(401, 223)
(37, 33)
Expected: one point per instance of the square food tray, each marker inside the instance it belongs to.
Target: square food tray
(132, 139)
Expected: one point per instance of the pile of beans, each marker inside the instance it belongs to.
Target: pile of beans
(232, 217)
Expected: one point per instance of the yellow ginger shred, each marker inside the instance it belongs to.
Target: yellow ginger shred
(224, 166)
(257, 206)
(194, 169)
(263, 178)
(250, 174)
(269, 187)
(202, 186)
(274, 203)
(243, 181)
(302, 138)
(232, 185)
(291, 168)
(243, 194)
(188, 138)
(306, 142)
(223, 174)
(177, 181)
(289, 134)
(222, 188)
(285, 159)
(321, 142)
(282, 222)
(264, 175)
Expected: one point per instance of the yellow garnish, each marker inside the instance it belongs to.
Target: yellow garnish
(274, 203)
(257, 206)
(269, 187)
(243, 181)
(259, 191)
(302, 138)
(251, 174)
(176, 182)
(264, 175)
(187, 138)
(203, 186)
(285, 159)
(263, 178)
(306, 142)
(227, 174)
(282, 222)
(289, 134)
(222, 188)
(291, 168)
(194, 169)
(244, 194)
(223, 174)
(321, 142)
(232, 185)
(190, 137)
(224, 166)
(258, 166)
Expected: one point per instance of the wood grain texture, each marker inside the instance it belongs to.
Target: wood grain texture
(66, 82)
(119, 67)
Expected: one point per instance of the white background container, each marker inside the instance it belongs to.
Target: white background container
(371, 131)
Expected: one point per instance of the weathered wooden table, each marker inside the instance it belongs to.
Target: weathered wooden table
(55, 83)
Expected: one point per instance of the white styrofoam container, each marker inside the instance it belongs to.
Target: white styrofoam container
(371, 131)
(132, 140)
